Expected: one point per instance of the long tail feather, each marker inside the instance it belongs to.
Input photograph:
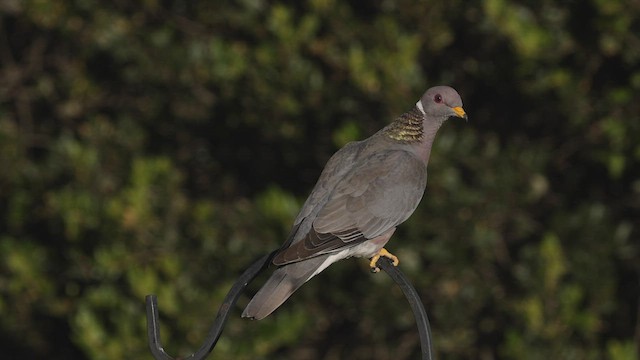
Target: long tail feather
(282, 283)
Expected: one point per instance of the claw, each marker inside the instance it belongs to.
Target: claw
(383, 252)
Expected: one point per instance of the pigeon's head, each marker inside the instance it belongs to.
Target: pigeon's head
(441, 103)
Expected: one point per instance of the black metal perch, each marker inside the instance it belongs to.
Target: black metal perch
(153, 327)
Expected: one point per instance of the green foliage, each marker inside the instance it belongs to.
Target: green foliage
(160, 146)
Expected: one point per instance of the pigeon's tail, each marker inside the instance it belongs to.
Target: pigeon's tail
(282, 283)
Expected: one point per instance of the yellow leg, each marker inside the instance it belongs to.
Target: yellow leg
(383, 252)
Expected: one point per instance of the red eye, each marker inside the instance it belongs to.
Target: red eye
(437, 98)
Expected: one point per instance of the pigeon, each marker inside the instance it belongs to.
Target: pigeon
(365, 191)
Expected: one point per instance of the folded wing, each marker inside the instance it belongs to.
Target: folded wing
(377, 194)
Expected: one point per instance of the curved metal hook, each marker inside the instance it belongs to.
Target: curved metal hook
(422, 320)
(153, 327)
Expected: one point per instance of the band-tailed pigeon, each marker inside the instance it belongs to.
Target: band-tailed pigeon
(366, 189)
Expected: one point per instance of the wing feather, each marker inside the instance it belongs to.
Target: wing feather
(379, 193)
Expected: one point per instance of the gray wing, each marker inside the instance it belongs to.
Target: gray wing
(337, 166)
(375, 195)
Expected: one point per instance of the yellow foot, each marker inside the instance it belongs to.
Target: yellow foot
(383, 252)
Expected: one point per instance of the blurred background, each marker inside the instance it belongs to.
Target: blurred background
(161, 146)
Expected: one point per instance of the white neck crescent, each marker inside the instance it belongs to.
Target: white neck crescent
(419, 106)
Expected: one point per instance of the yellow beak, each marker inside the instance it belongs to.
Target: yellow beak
(460, 112)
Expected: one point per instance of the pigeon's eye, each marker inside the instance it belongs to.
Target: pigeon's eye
(437, 98)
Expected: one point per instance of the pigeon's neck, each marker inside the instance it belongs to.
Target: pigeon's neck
(411, 128)
(407, 128)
